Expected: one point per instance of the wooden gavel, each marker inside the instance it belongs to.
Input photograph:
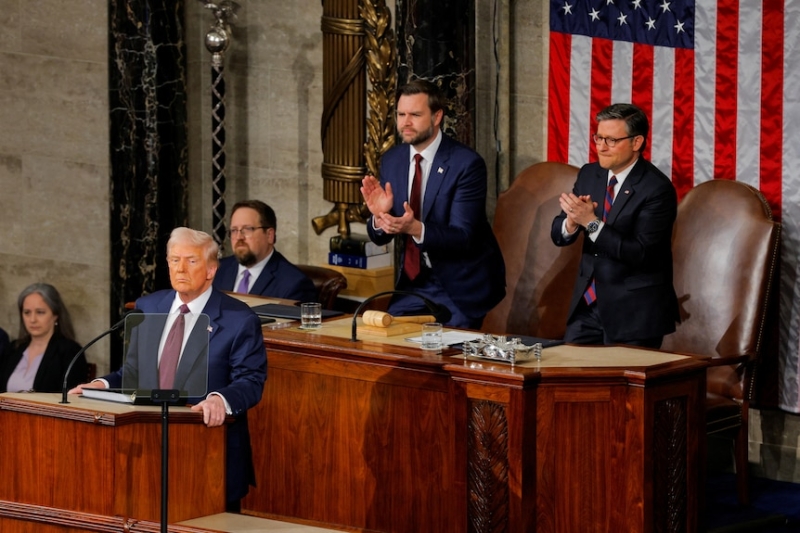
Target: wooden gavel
(382, 319)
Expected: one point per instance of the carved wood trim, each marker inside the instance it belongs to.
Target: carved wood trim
(487, 468)
(669, 462)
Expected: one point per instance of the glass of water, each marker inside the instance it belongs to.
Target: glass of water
(432, 336)
(310, 315)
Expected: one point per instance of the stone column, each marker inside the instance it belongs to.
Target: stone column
(148, 143)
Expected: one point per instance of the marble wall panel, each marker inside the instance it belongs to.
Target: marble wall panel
(49, 127)
(527, 135)
(273, 73)
(77, 29)
(281, 34)
(10, 31)
(54, 158)
(296, 198)
(528, 90)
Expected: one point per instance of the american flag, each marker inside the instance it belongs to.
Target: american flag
(710, 74)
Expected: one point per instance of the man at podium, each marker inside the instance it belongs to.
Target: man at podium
(237, 361)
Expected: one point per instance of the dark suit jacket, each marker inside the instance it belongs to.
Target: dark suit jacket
(237, 369)
(631, 260)
(279, 279)
(50, 376)
(5, 344)
(459, 241)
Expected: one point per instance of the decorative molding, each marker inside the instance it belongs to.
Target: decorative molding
(670, 475)
(487, 468)
(382, 75)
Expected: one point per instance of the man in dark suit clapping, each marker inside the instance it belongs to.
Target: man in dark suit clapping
(434, 196)
(625, 207)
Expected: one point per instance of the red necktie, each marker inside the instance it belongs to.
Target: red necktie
(172, 351)
(411, 260)
(591, 294)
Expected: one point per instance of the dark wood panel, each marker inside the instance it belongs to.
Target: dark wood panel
(47, 463)
(196, 471)
(105, 459)
(361, 451)
(550, 449)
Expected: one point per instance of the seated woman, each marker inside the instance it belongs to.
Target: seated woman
(41, 354)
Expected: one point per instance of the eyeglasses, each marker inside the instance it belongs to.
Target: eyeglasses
(245, 231)
(611, 142)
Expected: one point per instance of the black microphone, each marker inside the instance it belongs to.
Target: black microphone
(135, 321)
(440, 313)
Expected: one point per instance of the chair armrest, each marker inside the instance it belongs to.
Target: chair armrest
(729, 360)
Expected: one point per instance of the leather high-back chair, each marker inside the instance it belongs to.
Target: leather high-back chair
(539, 275)
(327, 281)
(725, 250)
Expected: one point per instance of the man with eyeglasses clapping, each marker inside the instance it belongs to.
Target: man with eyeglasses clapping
(625, 208)
(256, 267)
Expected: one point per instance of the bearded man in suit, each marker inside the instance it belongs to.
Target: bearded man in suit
(256, 267)
(449, 252)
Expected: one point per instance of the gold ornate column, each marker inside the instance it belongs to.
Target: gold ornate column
(356, 37)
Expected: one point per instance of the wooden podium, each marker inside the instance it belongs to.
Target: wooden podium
(96, 466)
(375, 435)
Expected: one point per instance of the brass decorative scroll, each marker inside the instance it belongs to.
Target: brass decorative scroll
(346, 25)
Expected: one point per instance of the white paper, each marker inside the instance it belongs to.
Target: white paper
(450, 338)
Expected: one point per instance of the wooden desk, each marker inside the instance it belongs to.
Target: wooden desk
(380, 437)
(98, 464)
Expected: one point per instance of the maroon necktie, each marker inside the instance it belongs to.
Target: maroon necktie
(590, 295)
(411, 261)
(172, 351)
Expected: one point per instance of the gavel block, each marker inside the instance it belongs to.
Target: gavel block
(384, 324)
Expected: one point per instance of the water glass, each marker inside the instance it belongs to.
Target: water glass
(432, 336)
(310, 315)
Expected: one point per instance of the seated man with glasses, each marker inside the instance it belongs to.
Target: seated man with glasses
(625, 207)
(256, 267)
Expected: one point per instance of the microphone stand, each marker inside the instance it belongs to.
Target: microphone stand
(110, 330)
(441, 313)
(164, 397)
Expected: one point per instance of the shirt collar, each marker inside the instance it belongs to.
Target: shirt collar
(430, 151)
(196, 306)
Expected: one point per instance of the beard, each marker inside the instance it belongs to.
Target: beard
(245, 256)
(420, 137)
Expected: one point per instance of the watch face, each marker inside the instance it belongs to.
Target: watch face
(592, 226)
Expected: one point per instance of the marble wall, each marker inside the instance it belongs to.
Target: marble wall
(273, 76)
(54, 160)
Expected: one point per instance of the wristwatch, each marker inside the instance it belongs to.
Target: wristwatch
(593, 226)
